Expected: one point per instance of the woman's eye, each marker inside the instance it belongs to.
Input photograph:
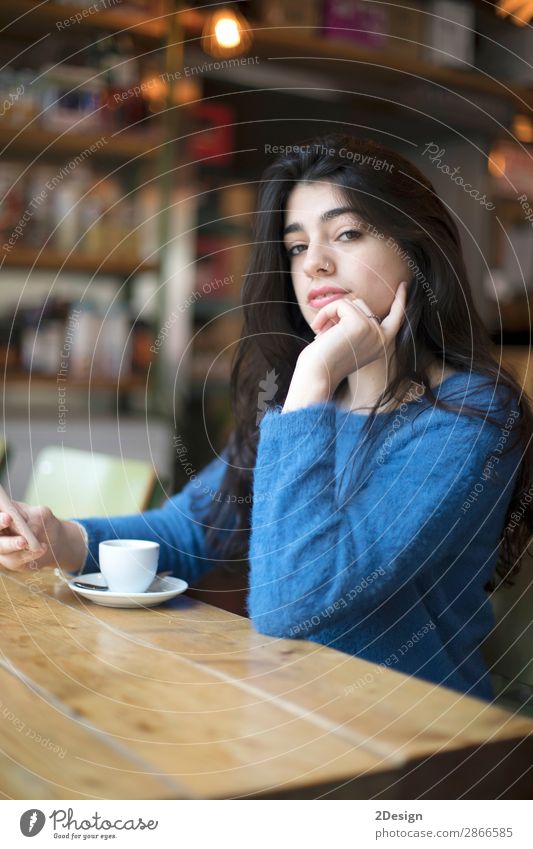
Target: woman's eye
(351, 235)
(295, 250)
(345, 236)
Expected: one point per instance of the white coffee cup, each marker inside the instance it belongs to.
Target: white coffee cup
(128, 565)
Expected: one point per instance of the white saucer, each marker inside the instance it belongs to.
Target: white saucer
(160, 590)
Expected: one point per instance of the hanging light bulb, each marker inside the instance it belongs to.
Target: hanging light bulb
(226, 33)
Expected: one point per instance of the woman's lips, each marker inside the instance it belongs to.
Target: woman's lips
(321, 301)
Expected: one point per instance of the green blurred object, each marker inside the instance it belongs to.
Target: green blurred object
(508, 649)
(83, 483)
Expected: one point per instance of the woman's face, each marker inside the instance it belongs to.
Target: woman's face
(330, 247)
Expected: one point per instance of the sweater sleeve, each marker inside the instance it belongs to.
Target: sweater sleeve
(178, 526)
(316, 559)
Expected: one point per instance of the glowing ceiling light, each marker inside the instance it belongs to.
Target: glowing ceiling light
(226, 33)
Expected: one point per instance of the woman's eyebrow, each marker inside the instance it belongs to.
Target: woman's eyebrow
(296, 227)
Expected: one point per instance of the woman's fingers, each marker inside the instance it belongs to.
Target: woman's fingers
(9, 544)
(365, 309)
(362, 309)
(5, 521)
(331, 314)
(12, 557)
(393, 321)
(325, 314)
(21, 509)
(15, 553)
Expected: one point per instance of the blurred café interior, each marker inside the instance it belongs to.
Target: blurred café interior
(133, 135)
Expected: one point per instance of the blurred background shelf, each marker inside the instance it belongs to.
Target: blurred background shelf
(299, 47)
(106, 384)
(338, 57)
(19, 141)
(121, 266)
(24, 17)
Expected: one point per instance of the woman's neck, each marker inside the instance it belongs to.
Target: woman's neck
(367, 384)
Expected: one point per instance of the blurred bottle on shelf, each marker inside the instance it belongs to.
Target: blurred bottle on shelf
(67, 201)
(81, 210)
(113, 349)
(91, 239)
(41, 226)
(125, 106)
(9, 344)
(449, 33)
(127, 244)
(394, 27)
(19, 101)
(12, 191)
(146, 209)
(81, 339)
(71, 98)
(142, 343)
(303, 18)
(42, 337)
(105, 94)
(85, 323)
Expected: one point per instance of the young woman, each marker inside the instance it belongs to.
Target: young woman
(378, 450)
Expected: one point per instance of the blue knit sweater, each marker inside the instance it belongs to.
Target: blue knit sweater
(381, 549)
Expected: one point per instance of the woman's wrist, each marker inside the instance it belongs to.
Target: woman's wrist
(309, 385)
(74, 548)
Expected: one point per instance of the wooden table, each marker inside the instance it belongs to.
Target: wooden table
(188, 701)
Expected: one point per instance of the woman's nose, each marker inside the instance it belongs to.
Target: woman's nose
(317, 261)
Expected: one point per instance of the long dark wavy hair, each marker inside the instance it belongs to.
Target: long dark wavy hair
(392, 195)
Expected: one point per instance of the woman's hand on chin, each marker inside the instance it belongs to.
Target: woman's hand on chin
(349, 337)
